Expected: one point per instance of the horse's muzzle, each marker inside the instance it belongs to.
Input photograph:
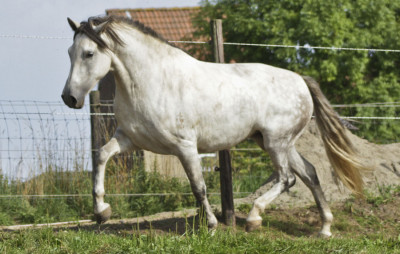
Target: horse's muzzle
(70, 101)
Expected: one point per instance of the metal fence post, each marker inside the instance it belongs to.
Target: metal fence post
(228, 211)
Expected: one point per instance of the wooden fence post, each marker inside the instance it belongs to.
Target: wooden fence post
(94, 97)
(228, 211)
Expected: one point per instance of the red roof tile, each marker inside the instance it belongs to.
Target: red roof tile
(173, 24)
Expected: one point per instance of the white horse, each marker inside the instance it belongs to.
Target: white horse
(168, 102)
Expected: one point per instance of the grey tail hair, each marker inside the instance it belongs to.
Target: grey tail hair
(343, 157)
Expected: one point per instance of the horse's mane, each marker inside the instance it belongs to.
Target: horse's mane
(86, 28)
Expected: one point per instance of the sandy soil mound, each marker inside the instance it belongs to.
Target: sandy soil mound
(384, 159)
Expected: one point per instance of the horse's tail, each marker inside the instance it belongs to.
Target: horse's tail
(338, 146)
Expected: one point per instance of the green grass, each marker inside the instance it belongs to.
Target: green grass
(223, 241)
(360, 226)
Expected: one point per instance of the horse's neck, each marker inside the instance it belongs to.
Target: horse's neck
(141, 64)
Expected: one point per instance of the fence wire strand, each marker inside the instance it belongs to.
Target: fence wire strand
(41, 37)
(114, 195)
(292, 46)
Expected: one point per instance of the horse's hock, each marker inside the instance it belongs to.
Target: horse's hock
(384, 159)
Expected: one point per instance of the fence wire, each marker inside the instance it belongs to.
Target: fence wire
(52, 196)
(41, 37)
(292, 46)
(38, 133)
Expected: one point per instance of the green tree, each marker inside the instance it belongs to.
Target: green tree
(345, 76)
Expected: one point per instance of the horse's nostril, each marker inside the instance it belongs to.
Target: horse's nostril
(73, 100)
(70, 101)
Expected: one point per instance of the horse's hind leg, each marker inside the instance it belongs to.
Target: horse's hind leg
(285, 180)
(118, 144)
(306, 171)
(191, 163)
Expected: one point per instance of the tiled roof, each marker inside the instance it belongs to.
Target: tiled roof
(171, 23)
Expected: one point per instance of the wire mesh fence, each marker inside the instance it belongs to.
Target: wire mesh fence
(36, 136)
(45, 156)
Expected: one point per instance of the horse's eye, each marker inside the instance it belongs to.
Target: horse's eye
(89, 54)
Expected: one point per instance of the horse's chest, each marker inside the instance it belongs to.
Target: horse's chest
(133, 123)
(144, 130)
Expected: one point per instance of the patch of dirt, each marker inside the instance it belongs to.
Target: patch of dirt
(383, 159)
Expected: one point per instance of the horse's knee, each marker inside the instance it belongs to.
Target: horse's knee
(291, 180)
(102, 156)
(116, 145)
(288, 181)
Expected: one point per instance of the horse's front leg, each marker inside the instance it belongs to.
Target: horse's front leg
(118, 144)
(191, 164)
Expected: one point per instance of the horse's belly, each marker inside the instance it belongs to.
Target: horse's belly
(223, 135)
(213, 144)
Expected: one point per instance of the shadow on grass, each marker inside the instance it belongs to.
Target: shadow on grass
(180, 226)
(162, 226)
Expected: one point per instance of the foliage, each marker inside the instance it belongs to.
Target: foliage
(153, 182)
(345, 76)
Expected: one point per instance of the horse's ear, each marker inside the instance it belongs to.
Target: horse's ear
(73, 24)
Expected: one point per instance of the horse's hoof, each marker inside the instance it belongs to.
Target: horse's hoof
(253, 225)
(324, 235)
(212, 223)
(212, 226)
(103, 216)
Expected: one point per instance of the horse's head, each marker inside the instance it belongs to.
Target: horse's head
(90, 62)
